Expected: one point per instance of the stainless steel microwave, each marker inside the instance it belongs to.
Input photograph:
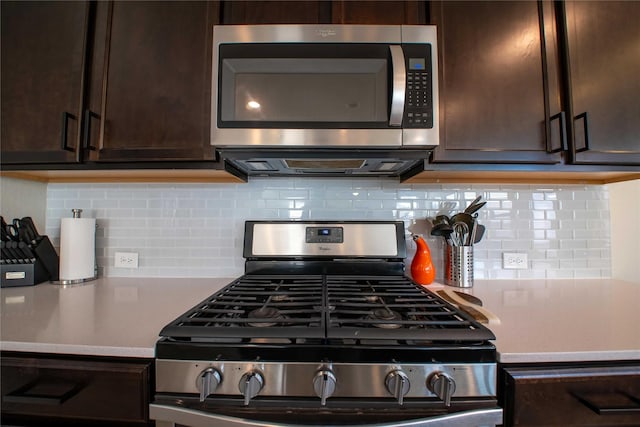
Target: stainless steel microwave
(324, 99)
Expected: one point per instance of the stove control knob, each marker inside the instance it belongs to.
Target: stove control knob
(250, 385)
(398, 384)
(208, 382)
(442, 385)
(324, 384)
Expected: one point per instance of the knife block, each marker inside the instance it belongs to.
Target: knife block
(23, 274)
(45, 267)
(47, 255)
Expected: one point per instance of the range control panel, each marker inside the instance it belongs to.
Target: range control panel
(324, 235)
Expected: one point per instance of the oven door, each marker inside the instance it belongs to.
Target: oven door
(168, 414)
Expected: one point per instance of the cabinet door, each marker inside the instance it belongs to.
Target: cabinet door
(605, 395)
(43, 390)
(43, 60)
(324, 12)
(378, 12)
(151, 81)
(604, 64)
(276, 12)
(499, 90)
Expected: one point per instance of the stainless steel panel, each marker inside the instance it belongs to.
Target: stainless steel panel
(169, 416)
(336, 138)
(353, 380)
(308, 33)
(359, 240)
(425, 137)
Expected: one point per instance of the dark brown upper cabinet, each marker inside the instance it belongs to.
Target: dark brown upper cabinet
(150, 95)
(323, 12)
(43, 63)
(499, 82)
(379, 12)
(276, 12)
(603, 91)
(539, 82)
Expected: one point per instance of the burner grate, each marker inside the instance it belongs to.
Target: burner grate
(330, 307)
(257, 307)
(394, 308)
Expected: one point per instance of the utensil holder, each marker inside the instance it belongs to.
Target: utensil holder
(459, 266)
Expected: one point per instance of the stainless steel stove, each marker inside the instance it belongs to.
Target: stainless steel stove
(324, 329)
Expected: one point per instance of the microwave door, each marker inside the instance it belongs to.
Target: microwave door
(307, 86)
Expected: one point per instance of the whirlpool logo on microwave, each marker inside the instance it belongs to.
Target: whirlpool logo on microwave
(326, 32)
(324, 248)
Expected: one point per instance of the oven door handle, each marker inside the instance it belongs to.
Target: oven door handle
(169, 416)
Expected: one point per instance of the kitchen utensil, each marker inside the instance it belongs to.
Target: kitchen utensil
(441, 227)
(475, 205)
(30, 230)
(26, 252)
(477, 311)
(469, 298)
(464, 218)
(12, 255)
(3, 230)
(479, 233)
(13, 230)
(474, 208)
(472, 234)
(459, 235)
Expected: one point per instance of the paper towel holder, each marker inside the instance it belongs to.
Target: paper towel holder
(77, 213)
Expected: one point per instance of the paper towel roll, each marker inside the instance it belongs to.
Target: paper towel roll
(77, 249)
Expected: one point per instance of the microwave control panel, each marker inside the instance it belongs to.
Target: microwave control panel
(418, 107)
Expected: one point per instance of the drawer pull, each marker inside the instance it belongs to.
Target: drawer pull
(44, 391)
(613, 403)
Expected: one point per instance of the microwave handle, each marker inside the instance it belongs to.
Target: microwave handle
(399, 85)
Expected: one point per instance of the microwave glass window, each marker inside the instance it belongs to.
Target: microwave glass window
(304, 90)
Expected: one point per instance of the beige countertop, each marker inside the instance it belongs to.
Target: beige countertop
(107, 317)
(539, 320)
(563, 320)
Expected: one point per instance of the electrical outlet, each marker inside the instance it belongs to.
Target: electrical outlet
(514, 260)
(126, 259)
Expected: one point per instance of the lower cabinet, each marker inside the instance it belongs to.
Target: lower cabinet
(42, 389)
(604, 394)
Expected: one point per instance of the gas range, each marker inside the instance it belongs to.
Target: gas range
(322, 325)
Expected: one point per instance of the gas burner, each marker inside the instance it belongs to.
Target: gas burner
(386, 315)
(266, 313)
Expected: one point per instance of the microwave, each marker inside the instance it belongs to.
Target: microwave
(324, 99)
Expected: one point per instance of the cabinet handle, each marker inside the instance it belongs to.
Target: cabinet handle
(43, 391)
(562, 131)
(65, 121)
(585, 127)
(626, 405)
(88, 115)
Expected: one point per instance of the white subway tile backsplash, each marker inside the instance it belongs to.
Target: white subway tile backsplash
(196, 230)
